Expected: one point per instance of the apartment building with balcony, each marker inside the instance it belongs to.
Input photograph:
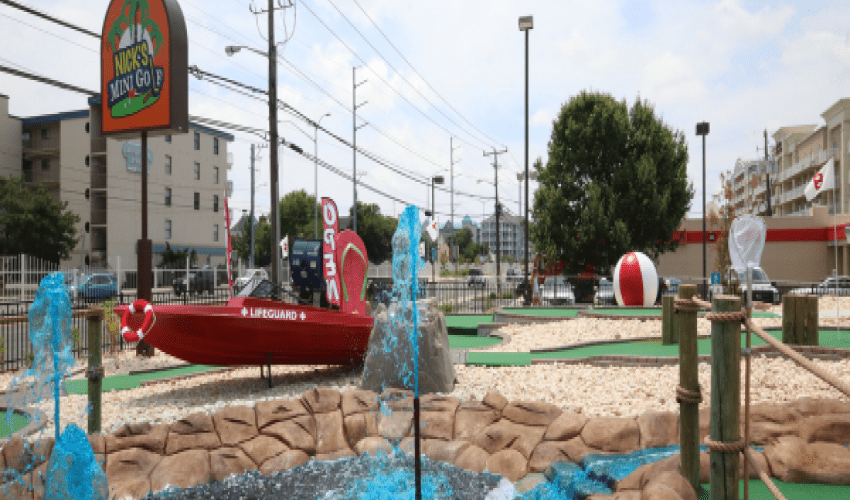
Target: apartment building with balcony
(100, 180)
(10, 140)
(512, 237)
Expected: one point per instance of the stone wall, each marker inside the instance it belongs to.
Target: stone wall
(805, 441)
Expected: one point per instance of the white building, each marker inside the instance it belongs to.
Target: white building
(512, 238)
(100, 179)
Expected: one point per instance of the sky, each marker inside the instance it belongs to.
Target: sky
(442, 73)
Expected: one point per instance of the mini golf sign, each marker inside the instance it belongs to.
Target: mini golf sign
(144, 68)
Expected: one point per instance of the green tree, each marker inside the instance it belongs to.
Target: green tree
(375, 230)
(297, 215)
(262, 242)
(615, 181)
(722, 220)
(31, 222)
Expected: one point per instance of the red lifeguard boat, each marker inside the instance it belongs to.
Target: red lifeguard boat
(259, 331)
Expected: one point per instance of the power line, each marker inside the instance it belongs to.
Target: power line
(50, 18)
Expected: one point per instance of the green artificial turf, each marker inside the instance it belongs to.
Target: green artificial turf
(471, 341)
(470, 321)
(124, 382)
(631, 311)
(543, 312)
(499, 358)
(16, 420)
(791, 491)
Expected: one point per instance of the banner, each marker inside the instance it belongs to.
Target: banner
(823, 180)
(433, 229)
(229, 247)
(330, 221)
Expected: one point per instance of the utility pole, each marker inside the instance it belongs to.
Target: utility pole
(767, 174)
(354, 126)
(495, 155)
(452, 175)
(251, 218)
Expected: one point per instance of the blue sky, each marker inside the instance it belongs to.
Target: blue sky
(742, 66)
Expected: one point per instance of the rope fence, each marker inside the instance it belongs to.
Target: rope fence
(724, 442)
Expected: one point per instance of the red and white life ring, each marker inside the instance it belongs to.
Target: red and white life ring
(128, 334)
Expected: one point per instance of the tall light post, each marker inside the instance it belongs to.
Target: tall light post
(355, 128)
(273, 142)
(702, 129)
(526, 23)
(437, 179)
(316, 173)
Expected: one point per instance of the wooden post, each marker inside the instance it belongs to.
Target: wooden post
(688, 378)
(725, 399)
(94, 316)
(812, 337)
(800, 320)
(788, 318)
(667, 319)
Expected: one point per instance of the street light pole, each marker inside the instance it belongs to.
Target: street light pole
(354, 126)
(495, 155)
(702, 129)
(526, 23)
(437, 179)
(316, 174)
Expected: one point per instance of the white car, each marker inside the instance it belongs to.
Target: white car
(827, 287)
(763, 290)
(605, 293)
(249, 275)
(557, 291)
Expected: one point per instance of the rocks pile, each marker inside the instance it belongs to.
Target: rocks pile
(804, 441)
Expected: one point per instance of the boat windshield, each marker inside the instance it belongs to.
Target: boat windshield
(259, 288)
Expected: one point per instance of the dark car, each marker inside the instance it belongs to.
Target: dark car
(95, 287)
(476, 278)
(200, 281)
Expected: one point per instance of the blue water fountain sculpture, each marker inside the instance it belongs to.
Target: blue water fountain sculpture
(72, 473)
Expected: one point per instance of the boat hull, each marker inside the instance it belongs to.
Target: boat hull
(250, 331)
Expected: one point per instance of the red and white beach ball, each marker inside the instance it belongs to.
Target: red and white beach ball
(635, 280)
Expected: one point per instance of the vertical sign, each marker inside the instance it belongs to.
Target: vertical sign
(330, 221)
(144, 79)
(229, 248)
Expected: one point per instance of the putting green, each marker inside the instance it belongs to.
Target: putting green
(471, 341)
(631, 311)
(12, 422)
(468, 322)
(758, 491)
(124, 382)
(544, 312)
(499, 358)
(828, 338)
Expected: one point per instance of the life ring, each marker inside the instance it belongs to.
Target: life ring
(128, 334)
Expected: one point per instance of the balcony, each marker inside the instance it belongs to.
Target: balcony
(98, 146)
(37, 147)
(98, 177)
(98, 217)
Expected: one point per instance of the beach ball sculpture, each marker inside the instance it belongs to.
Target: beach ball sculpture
(635, 280)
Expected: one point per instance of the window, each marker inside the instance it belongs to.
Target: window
(45, 133)
(215, 145)
(215, 203)
(197, 171)
(87, 160)
(168, 138)
(87, 227)
(215, 175)
(167, 197)
(45, 164)
(167, 229)
(197, 201)
(167, 165)
(87, 127)
(215, 232)
(197, 141)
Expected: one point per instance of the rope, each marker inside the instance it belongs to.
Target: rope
(687, 396)
(764, 477)
(702, 303)
(733, 447)
(727, 317)
(800, 359)
(685, 305)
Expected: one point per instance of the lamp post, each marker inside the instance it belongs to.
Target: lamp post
(526, 23)
(316, 173)
(273, 141)
(702, 129)
(437, 179)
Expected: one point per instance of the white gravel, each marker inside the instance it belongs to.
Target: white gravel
(591, 390)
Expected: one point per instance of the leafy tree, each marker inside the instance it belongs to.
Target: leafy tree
(375, 230)
(262, 241)
(297, 215)
(31, 222)
(176, 259)
(615, 181)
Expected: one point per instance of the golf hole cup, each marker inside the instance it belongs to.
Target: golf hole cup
(635, 280)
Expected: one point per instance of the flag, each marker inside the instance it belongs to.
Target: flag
(432, 229)
(228, 247)
(823, 180)
(284, 247)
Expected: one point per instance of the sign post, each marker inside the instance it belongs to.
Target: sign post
(144, 85)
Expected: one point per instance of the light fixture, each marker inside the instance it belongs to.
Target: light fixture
(526, 23)
(232, 49)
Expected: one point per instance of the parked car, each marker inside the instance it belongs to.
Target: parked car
(514, 277)
(95, 287)
(476, 278)
(557, 290)
(250, 275)
(827, 287)
(200, 280)
(763, 289)
(604, 293)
